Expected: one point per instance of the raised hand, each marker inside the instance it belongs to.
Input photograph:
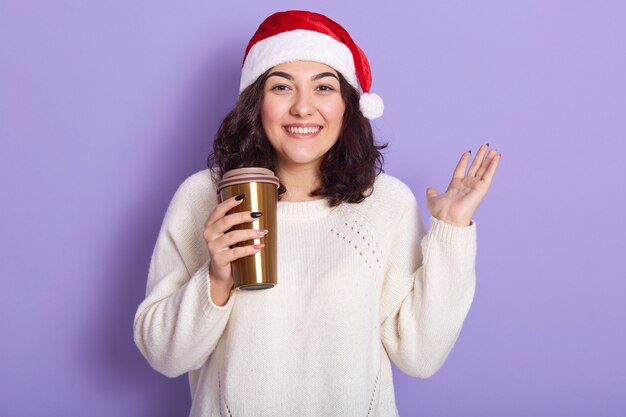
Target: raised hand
(466, 190)
(220, 238)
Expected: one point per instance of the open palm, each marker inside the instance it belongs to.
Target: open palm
(457, 205)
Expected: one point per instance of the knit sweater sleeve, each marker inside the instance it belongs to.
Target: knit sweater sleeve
(427, 291)
(177, 326)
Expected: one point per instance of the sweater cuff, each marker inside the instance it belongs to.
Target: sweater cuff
(204, 286)
(448, 233)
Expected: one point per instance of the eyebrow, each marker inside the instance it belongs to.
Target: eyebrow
(322, 75)
(313, 78)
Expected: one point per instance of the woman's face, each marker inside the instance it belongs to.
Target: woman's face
(302, 112)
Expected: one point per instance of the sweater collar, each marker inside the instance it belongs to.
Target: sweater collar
(303, 209)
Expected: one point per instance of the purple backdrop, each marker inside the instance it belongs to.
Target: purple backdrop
(106, 107)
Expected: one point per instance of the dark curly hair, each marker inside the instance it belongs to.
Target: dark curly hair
(347, 171)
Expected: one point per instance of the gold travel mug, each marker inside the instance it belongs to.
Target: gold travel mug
(258, 271)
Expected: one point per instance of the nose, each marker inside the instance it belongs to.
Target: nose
(302, 104)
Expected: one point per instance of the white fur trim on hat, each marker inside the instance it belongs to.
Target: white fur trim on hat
(298, 45)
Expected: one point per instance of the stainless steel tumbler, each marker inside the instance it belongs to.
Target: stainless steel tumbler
(260, 185)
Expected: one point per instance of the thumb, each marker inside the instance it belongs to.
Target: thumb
(431, 192)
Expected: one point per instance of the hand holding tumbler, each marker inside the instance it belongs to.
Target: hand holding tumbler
(260, 188)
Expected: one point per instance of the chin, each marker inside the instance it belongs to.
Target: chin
(302, 159)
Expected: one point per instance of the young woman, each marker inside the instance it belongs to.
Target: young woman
(361, 283)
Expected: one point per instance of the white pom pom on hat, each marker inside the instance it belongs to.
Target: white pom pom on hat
(371, 105)
(298, 35)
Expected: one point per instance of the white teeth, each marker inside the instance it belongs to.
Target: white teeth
(303, 130)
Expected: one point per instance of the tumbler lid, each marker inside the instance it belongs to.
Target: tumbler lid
(249, 174)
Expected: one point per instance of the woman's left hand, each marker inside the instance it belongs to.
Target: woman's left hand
(466, 190)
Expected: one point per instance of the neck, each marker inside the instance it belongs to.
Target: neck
(299, 181)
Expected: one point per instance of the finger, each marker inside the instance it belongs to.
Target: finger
(431, 192)
(236, 236)
(224, 224)
(483, 167)
(222, 259)
(459, 171)
(478, 160)
(491, 169)
(221, 209)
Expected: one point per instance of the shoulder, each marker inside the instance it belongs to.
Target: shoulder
(197, 194)
(390, 194)
(389, 200)
(200, 182)
(387, 186)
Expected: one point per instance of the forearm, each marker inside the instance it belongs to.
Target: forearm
(421, 334)
(420, 331)
(176, 331)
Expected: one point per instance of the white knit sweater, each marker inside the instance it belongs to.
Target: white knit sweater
(355, 289)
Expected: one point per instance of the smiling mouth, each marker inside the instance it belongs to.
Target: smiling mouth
(303, 131)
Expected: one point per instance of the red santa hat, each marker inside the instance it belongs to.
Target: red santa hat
(298, 35)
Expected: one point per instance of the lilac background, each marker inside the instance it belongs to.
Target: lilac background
(107, 106)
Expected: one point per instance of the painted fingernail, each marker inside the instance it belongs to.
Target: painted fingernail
(256, 214)
(259, 246)
(470, 151)
(487, 144)
(261, 232)
(240, 197)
